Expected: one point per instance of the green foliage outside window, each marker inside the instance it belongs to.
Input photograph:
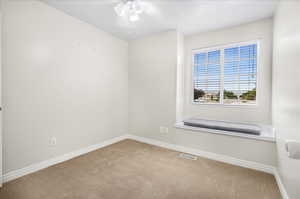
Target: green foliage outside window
(229, 95)
(198, 93)
(250, 95)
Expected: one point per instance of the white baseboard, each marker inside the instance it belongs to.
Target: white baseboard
(47, 163)
(218, 157)
(281, 186)
(208, 155)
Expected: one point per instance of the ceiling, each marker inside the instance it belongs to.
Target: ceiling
(188, 16)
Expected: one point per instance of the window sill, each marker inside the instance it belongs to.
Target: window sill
(267, 133)
(251, 106)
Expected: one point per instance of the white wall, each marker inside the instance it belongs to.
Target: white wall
(62, 78)
(261, 30)
(1, 93)
(180, 77)
(153, 62)
(286, 84)
(65, 78)
(152, 83)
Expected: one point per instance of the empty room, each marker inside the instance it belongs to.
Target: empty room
(150, 99)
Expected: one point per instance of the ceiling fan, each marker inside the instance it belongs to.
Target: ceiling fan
(130, 9)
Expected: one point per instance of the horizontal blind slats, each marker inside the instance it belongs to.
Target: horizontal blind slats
(239, 69)
(240, 73)
(207, 70)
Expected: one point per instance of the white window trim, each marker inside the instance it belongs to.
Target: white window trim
(222, 47)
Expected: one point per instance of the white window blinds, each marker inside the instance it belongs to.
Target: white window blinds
(207, 77)
(226, 75)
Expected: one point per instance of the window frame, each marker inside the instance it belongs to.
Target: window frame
(221, 48)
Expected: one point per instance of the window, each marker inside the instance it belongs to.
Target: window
(225, 75)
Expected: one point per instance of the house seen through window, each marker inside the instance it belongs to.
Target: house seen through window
(225, 75)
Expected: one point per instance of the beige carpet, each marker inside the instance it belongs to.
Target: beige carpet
(133, 170)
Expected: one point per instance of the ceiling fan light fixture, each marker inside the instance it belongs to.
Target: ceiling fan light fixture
(134, 17)
(137, 7)
(130, 9)
(120, 9)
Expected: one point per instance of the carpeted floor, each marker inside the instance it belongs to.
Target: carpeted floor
(134, 170)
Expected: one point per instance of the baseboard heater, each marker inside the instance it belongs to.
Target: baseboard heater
(224, 126)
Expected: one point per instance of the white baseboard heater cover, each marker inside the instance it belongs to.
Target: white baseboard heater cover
(224, 126)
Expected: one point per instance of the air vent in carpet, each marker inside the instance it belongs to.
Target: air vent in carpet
(188, 156)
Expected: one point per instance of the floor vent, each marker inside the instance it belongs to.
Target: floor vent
(188, 156)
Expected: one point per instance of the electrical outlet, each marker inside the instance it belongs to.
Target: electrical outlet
(53, 141)
(163, 129)
(166, 130)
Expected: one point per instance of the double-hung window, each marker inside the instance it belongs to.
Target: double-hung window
(226, 74)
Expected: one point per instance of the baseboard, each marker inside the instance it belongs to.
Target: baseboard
(208, 155)
(218, 157)
(280, 184)
(47, 163)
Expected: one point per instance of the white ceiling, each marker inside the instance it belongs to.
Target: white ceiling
(188, 16)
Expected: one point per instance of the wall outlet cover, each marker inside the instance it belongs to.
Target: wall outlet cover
(163, 129)
(53, 141)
